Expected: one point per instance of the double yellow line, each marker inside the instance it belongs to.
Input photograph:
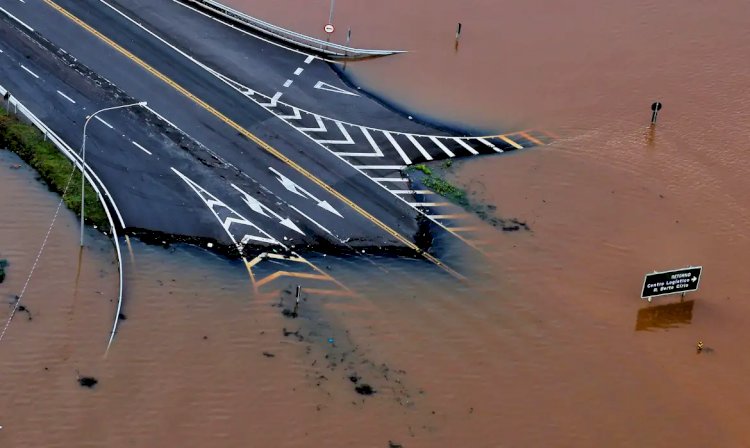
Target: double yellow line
(276, 153)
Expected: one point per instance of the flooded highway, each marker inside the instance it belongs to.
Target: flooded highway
(547, 344)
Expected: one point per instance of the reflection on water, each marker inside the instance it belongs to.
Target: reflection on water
(665, 316)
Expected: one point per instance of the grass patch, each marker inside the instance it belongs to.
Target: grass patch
(420, 167)
(439, 185)
(446, 189)
(29, 143)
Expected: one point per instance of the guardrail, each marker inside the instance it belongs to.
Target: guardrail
(93, 180)
(293, 38)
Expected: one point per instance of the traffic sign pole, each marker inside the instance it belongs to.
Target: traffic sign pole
(655, 108)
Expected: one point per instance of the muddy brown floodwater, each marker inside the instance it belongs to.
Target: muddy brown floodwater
(549, 346)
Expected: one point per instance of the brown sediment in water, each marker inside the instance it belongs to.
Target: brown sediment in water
(542, 351)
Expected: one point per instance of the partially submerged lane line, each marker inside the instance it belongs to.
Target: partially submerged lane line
(276, 153)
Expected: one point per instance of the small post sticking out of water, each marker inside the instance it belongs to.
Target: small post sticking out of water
(348, 36)
(297, 295)
(458, 35)
(655, 108)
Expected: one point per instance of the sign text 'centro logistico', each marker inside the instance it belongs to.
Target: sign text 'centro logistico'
(677, 281)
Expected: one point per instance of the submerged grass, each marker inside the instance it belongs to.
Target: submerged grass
(440, 185)
(53, 167)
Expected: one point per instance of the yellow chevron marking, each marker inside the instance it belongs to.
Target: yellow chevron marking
(510, 142)
(530, 138)
(278, 274)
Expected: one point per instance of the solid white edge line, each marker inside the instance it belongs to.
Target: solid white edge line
(372, 167)
(429, 204)
(410, 191)
(389, 179)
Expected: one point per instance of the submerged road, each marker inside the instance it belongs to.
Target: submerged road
(267, 141)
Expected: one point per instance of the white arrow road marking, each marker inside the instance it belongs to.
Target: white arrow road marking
(257, 207)
(320, 85)
(347, 140)
(296, 189)
(212, 201)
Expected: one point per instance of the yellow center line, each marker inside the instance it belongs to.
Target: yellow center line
(252, 137)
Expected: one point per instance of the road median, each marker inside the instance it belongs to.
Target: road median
(53, 167)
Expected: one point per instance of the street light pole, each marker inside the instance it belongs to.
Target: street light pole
(330, 15)
(83, 154)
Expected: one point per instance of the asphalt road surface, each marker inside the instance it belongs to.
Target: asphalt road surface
(243, 141)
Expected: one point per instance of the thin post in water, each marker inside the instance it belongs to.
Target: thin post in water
(297, 295)
(655, 108)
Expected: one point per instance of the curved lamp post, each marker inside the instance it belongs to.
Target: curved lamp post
(83, 153)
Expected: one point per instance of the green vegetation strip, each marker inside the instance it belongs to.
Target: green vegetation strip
(29, 143)
(441, 186)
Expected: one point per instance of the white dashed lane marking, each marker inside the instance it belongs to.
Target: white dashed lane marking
(288, 83)
(66, 97)
(142, 148)
(105, 123)
(298, 71)
(309, 59)
(17, 19)
(30, 72)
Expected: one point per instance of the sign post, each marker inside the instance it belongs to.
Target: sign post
(655, 108)
(677, 281)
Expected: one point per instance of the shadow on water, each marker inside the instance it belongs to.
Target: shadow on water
(670, 315)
